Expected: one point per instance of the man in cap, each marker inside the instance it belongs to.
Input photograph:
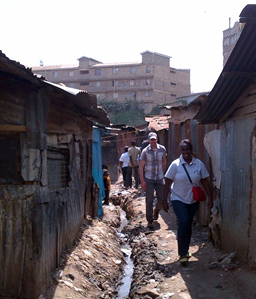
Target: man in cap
(152, 168)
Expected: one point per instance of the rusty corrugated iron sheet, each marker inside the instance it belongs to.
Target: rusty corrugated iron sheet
(157, 122)
(86, 103)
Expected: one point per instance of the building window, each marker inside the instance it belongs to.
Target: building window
(71, 85)
(98, 84)
(97, 72)
(84, 83)
(71, 74)
(55, 74)
(114, 83)
(173, 83)
(131, 82)
(133, 70)
(147, 94)
(173, 95)
(231, 39)
(133, 94)
(172, 72)
(148, 69)
(115, 95)
(57, 168)
(84, 72)
(148, 82)
(115, 70)
(10, 161)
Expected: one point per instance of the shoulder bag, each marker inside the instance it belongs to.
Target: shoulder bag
(198, 192)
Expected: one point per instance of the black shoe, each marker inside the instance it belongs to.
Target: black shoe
(150, 225)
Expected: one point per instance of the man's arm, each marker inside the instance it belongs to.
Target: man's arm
(164, 163)
(141, 173)
(131, 161)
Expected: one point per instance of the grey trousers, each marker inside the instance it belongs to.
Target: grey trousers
(151, 186)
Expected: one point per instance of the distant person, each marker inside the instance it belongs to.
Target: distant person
(183, 204)
(107, 186)
(124, 162)
(152, 168)
(144, 144)
(133, 153)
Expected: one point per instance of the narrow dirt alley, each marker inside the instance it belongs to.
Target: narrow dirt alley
(93, 268)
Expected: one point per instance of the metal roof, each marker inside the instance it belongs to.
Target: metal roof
(237, 75)
(85, 102)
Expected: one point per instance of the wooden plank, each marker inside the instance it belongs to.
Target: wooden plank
(236, 104)
(249, 109)
(248, 100)
(13, 128)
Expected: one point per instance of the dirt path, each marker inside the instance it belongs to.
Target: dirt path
(93, 268)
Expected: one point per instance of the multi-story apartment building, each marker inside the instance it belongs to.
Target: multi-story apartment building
(151, 81)
(230, 37)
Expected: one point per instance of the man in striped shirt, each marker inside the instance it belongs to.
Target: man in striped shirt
(152, 168)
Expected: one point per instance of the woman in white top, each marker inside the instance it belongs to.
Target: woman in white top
(183, 204)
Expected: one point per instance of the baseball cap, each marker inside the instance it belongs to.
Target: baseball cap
(152, 135)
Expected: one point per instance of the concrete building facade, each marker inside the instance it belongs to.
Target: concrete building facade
(230, 38)
(151, 82)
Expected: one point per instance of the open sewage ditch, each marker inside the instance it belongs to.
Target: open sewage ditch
(111, 258)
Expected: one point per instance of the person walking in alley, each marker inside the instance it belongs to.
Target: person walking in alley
(151, 170)
(133, 153)
(124, 162)
(107, 186)
(183, 204)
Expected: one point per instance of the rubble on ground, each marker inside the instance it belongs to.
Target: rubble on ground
(93, 268)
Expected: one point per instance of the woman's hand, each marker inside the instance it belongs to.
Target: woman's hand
(167, 184)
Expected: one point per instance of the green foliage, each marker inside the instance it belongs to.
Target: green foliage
(155, 111)
(129, 113)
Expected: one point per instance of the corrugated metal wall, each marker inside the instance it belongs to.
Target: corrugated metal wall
(235, 188)
(35, 233)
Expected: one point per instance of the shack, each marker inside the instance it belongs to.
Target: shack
(46, 135)
(231, 105)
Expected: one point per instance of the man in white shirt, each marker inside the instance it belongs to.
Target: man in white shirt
(123, 162)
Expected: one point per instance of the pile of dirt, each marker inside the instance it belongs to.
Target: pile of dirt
(93, 268)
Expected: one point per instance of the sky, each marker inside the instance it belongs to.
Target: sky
(60, 32)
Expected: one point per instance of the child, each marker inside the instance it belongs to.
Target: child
(107, 186)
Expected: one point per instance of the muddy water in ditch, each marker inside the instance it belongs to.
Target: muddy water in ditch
(125, 286)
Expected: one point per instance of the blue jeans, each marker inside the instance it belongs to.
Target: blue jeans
(185, 214)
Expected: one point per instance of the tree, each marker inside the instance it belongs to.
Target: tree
(129, 112)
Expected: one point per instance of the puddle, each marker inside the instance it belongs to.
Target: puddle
(125, 286)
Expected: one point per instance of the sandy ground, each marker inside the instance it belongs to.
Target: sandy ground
(93, 267)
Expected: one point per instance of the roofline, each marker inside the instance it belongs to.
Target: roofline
(166, 56)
